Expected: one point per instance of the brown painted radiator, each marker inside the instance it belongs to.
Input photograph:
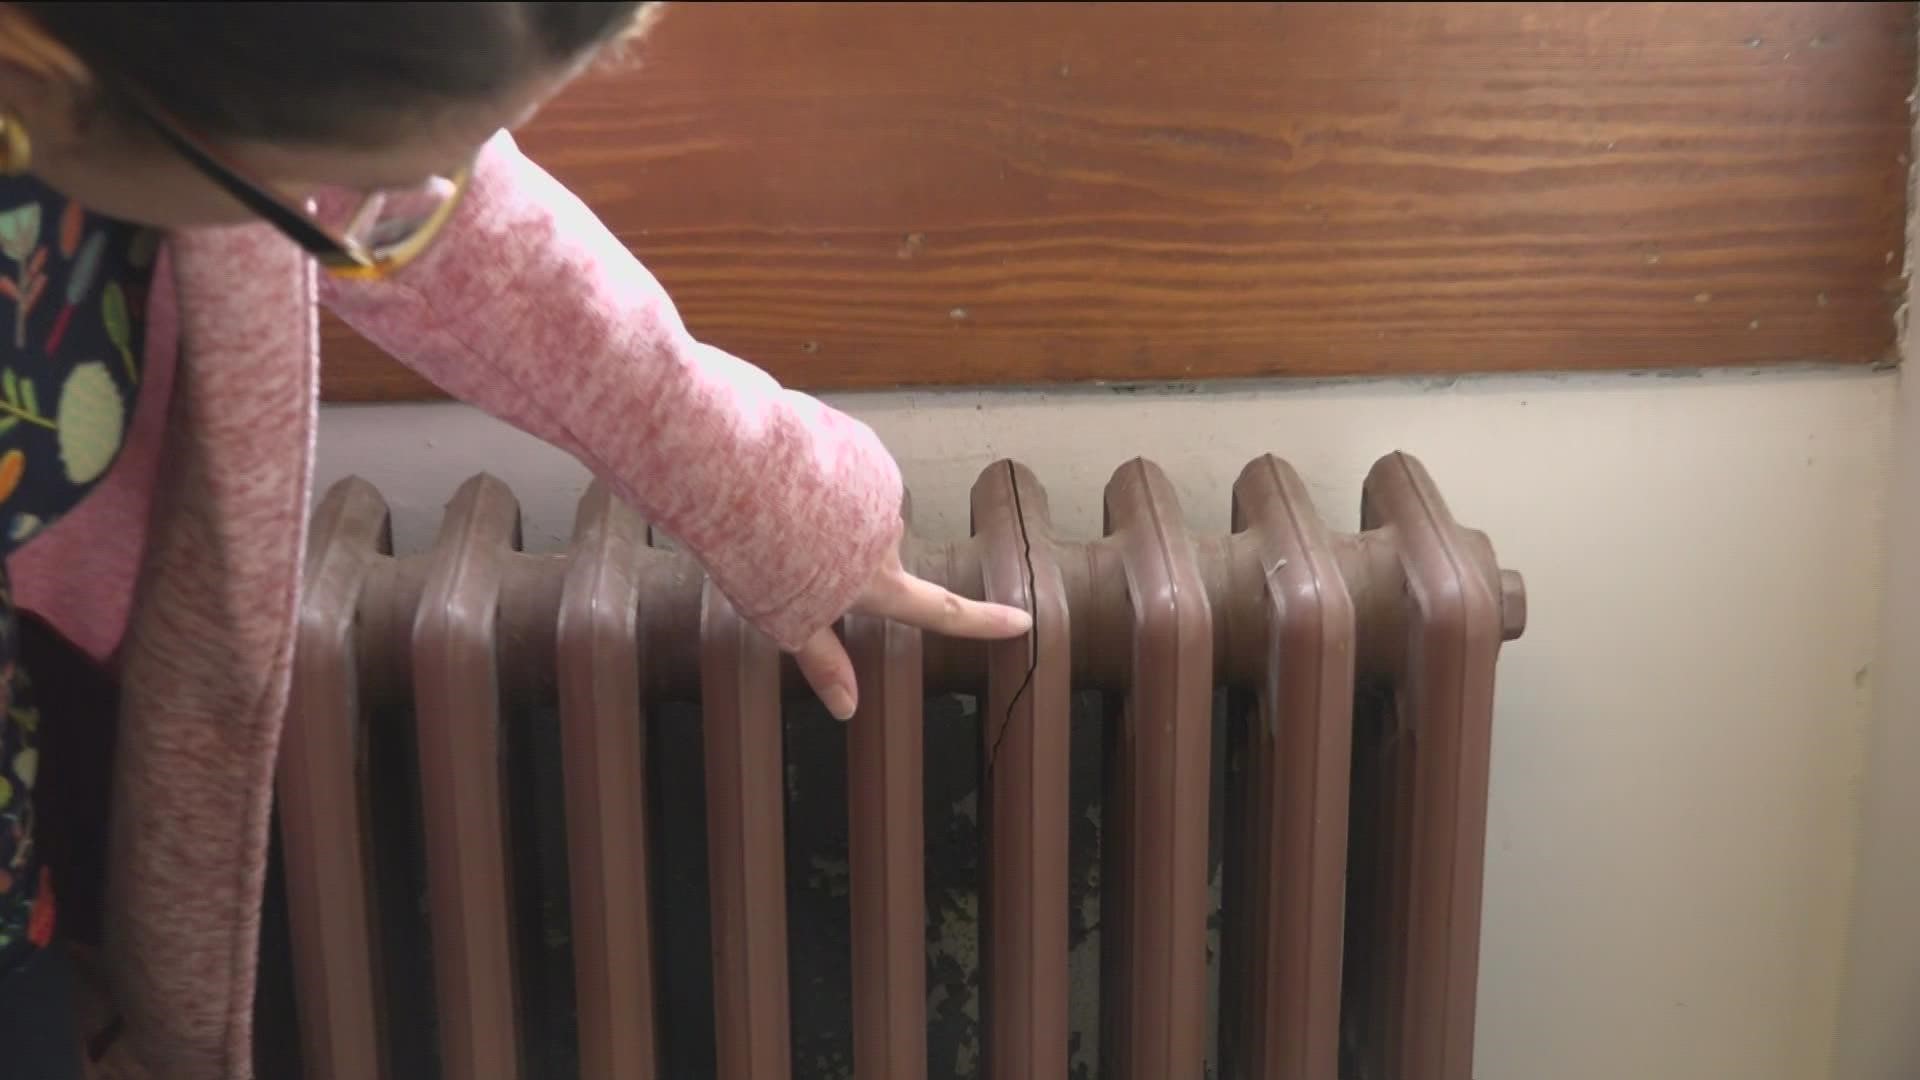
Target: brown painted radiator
(1291, 786)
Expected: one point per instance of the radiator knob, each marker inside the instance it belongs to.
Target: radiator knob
(1513, 605)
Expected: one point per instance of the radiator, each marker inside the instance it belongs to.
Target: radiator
(1354, 672)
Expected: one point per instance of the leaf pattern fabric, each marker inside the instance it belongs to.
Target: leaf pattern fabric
(69, 376)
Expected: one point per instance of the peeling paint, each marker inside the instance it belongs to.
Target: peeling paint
(832, 876)
(955, 938)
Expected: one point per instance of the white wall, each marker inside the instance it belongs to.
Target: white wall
(1679, 745)
(1879, 1036)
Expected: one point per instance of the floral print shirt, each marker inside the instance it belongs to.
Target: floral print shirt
(72, 298)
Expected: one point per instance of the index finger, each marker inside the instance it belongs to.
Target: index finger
(923, 604)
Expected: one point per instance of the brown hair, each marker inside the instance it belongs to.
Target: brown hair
(325, 72)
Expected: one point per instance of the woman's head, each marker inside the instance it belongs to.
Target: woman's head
(305, 95)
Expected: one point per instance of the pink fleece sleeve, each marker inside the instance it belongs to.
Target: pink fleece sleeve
(529, 308)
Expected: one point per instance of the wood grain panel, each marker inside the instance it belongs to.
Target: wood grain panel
(871, 195)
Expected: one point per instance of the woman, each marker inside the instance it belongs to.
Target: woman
(181, 181)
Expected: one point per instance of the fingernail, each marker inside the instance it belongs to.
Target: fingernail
(1022, 621)
(839, 701)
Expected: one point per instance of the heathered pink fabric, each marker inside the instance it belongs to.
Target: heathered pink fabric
(540, 315)
(526, 307)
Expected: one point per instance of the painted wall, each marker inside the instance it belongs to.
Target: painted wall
(1681, 734)
(1879, 1038)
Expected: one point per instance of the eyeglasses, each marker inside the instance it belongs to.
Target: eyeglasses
(364, 238)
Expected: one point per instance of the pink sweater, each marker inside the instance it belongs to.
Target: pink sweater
(185, 562)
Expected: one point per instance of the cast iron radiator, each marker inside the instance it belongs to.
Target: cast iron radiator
(1290, 787)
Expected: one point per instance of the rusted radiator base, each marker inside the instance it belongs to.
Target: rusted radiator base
(1361, 667)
